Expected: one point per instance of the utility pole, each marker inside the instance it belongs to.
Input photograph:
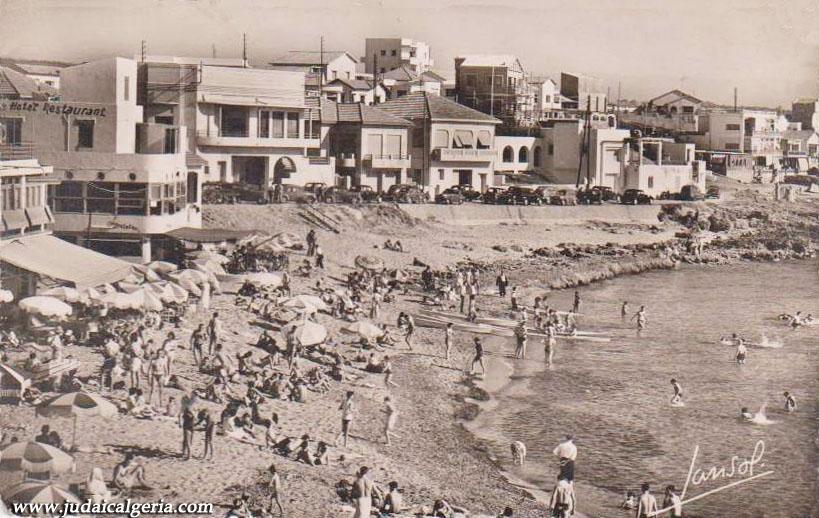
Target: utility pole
(618, 100)
(492, 93)
(321, 66)
(244, 49)
(735, 99)
(213, 50)
(144, 50)
(588, 141)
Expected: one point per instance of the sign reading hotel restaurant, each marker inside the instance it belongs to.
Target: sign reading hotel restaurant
(54, 108)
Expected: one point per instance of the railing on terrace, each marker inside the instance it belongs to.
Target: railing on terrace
(398, 156)
(17, 151)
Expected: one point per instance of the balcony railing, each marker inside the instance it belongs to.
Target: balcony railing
(346, 160)
(214, 138)
(463, 154)
(388, 161)
(17, 151)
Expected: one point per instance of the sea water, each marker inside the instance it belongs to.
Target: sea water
(615, 397)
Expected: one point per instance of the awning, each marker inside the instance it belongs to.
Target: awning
(463, 138)
(485, 139)
(15, 219)
(207, 235)
(52, 257)
(285, 165)
(39, 215)
(194, 160)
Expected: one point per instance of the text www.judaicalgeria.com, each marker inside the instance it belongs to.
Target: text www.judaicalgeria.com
(126, 508)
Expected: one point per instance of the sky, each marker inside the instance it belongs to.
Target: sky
(768, 49)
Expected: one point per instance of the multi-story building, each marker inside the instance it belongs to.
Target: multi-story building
(29, 253)
(657, 165)
(382, 55)
(495, 85)
(403, 80)
(545, 96)
(582, 92)
(806, 112)
(244, 124)
(754, 131)
(325, 66)
(800, 148)
(371, 146)
(355, 91)
(674, 112)
(122, 183)
(450, 144)
(563, 161)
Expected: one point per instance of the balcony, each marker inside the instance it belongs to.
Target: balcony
(17, 151)
(346, 160)
(398, 161)
(214, 138)
(463, 155)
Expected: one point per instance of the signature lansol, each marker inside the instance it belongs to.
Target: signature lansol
(739, 471)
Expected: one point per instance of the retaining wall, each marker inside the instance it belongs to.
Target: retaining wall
(479, 214)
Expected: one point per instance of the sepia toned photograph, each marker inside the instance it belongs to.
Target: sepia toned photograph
(409, 258)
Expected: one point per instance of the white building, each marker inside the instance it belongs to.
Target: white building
(382, 55)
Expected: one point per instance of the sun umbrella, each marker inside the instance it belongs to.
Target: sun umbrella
(306, 332)
(207, 265)
(162, 266)
(120, 300)
(179, 293)
(45, 306)
(314, 301)
(264, 279)
(147, 300)
(197, 276)
(129, 287)
(35, 457)
(77, 404)
(64, 293)
(300, 306)
(189, 285)
(369, 262)
(148, 274)
(364, 329)
(37, 492)
(6, 296)
(208, 255)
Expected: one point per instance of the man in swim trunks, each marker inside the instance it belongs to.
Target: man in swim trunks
(448, 333)
(641, 319)
(790, 402)
(549, 344)
(678, 392)
(647, 504)
(742, 351)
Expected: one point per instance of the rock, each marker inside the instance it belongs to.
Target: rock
(516, 248)
(500, 248)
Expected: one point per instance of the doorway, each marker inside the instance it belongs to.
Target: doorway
(251, 170)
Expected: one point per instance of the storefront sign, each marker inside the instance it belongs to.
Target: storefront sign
(53, 108)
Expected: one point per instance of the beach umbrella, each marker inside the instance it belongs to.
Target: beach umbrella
(300, 306)
(209, 255)
(209, 266)
(45, 306)
(129, 287)
(179, 293)
(147, 300)
(364, 329)
(287, 239)
(306, 332)
(6, 296)
(264, 279)
(314, 301)
(120, 300)
(37, 492)
(189, 285)
(369, 262)
(162, 266)
(64, 293)
(35, 457)
(197, 276)
(77, 404)
(148, 274)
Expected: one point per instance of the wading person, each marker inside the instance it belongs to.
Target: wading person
(549, 345)
(672, 500)
(677, 398)
(790, 402)
(563, 502)
(392, 416)
(640, 316)
(478, 358)
(742, 352)
(566, 451)
(647, 504)
(214, 332)
(577, 302)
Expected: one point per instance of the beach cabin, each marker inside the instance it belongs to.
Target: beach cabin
(12, 384)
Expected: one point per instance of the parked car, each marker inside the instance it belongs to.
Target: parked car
(468, 192)
(712, 193)
(297, 193)
(404, 193)
(493, 195)
(224, 192)
(597, 194)
(563, 197)
(368, 195)
(635, 197)
(339, 195)
(801, 179)
(690, 193)
(451, 196)
(315, 186)
(523, 196)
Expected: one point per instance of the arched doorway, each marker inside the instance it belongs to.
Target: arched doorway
(523, 155)
(508, 154)
(283, 169)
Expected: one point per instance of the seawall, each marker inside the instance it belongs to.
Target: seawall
(479, 214)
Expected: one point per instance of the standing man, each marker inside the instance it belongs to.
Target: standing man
(676, 399)
(362, 494)
(742, 352)
(319, 256)
(672, 500)
(502, 282)
(647, 504)
(214, 332)
(275, 487)
(188, 423)
(197, 344)
(566, 451)
(576, 305)
(624, 310)
(410, 323)
(563, 502)
(478, 358)
(208, 427)
(448, 333)
(790, 402)
(311, 242)
(347, 411)
(549, 344)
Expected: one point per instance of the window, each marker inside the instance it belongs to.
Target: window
(374, 145)
(85, 134)
(101, 197)
(732, 146)
(126, 88)
(383, 52)
(471, 79)
(292, 125)
(312, 126)
(441, 174)
(412, 53)
(441, 139)
(650, 182)
(170, 141)
(33, 198)
(11, 130)
(264, 124)
(68, 197)
(163, 119)
(222, 171)
(732, 127)
(393, 52)
(536, 158)
(335, 74)
(278, 124)
(11, 195)
(523, 155)
(132, 199)
(508, 154)
(234, 121)
(547, 98)
(551, 149)
(688, 109)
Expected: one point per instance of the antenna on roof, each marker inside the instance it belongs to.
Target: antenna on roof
(321, 65)
(244, 49)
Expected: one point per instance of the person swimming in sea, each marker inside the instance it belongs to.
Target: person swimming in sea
(641, 319)
(677, 398)
(790, 402)
(746, 414)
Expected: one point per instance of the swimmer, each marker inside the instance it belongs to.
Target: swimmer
(624, 310)
(790, 402)
(746, 414)
(742, 351)
(796, 320)
(641, 319)
(676, 399)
